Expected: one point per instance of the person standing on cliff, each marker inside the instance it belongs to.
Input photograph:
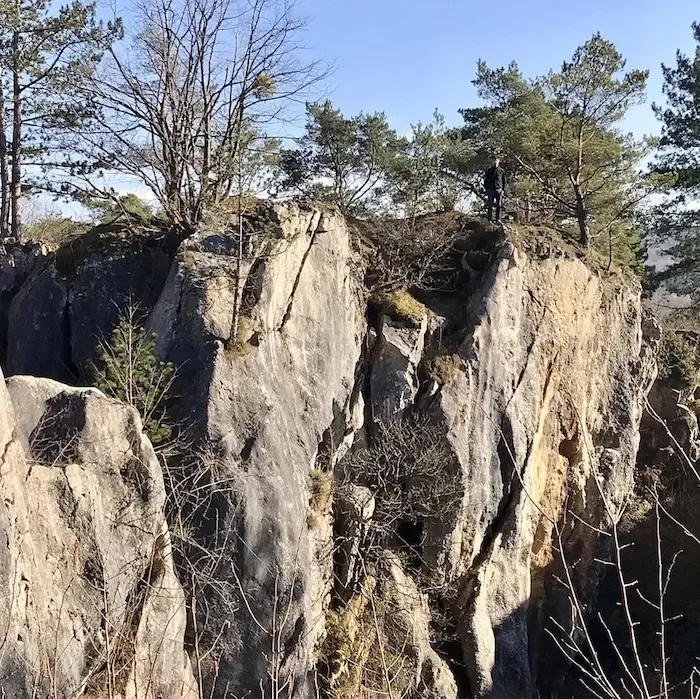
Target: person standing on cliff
(495, 186)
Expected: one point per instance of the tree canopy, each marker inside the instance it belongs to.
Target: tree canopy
(46, 55)
(676, 223)
(190, 101)
(339, 159)
(569, 162)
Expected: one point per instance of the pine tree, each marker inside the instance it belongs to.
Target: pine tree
(676, 222)
(339, 159)
(560, 139)
(418, 177)
(128, 369)
(44, 56)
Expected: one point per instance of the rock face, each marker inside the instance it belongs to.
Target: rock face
(16, 263)
(545, 410)
(38, 331)
(56, 305)
(91, 605)
(394, 368)
(264, 403)
(529, 379)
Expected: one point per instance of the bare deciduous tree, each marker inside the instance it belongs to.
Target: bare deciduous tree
(185, 105)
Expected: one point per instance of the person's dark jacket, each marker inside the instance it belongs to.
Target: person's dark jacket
(495, 179)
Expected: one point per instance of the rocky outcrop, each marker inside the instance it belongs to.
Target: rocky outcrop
(265, 404)
(394, 379)
(57, 305)
(379, 644)
(543, 419)
(527, 382)
(91, 604)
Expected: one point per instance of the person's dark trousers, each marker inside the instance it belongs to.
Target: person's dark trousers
(494, 197)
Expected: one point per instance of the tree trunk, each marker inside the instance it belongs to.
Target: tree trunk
(204, 195)
(4, 169)
(16, 182)
(582, 217)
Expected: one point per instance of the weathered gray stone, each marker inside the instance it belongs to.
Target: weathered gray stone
(89, 595)
(394, 380)
(17, 262)
(353, 509)
(411, 615)
(38, 329)
(264, 404)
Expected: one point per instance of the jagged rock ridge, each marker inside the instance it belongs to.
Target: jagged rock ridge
(531, 380)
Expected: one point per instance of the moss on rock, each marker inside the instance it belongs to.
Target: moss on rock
(401, 306)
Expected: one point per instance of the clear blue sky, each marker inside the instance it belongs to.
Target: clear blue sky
(406, 57)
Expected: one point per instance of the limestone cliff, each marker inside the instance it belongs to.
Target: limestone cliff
(376, 478)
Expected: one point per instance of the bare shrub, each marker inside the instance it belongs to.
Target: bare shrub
(425, 253)
(410, 469)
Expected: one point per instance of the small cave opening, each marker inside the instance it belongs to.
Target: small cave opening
(569, 447)
(72, 371)
(409, 533)
(248, 447)
(373, 313)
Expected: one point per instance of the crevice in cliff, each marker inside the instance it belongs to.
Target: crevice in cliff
(511, 489)
(334, 435)
(370, 346)
(248, 447)
(6, 448)
(6, 298)
(181, 292)
(288, 310)
(253, 286)
(528, 355)
(67, 349)
(448, 646)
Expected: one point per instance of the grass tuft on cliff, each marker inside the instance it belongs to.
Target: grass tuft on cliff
(401, 306)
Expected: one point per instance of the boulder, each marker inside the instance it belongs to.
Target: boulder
(394, 380)
(91, 604)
